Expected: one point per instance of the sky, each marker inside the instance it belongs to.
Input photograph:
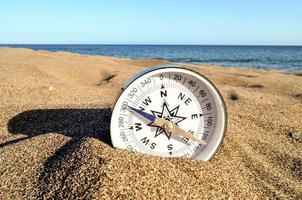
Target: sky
(224, 22)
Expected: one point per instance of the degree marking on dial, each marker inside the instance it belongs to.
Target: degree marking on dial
(184, 80)
(136, 101)
(130, 141)
(154, 83)
(177, 85)
(204, 100)
(141, 90)
(154, 88)
(138, 97)
(133, 141)
(188, 147)
(196, 89)
(149, 91)
(131, 101)
(169, 83)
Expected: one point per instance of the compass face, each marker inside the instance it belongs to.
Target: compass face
(179, 96)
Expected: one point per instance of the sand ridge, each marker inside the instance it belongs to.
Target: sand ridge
(55, 112)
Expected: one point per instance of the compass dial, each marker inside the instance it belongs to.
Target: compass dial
(169, 111)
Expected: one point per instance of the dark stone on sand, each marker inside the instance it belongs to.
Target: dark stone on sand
(256, 86)
(234, 96)
(293, 136)
(298, 96)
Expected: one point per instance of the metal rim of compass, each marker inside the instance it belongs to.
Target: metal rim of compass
(165, 66)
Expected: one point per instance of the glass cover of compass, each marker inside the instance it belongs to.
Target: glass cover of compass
(169, 111)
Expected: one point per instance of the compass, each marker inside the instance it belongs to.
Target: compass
(169, 111)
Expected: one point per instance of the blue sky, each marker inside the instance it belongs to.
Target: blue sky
(264, 22)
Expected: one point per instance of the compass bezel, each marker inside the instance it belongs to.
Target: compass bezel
(211, 152)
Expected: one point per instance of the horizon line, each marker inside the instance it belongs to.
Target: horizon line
(139, 44)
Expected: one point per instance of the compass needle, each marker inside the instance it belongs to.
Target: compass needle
(179, 131)
(169, 111)
(143, 114)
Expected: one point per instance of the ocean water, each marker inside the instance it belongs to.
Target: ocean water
(285, 58)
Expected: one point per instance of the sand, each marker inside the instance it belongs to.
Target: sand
(55, 142)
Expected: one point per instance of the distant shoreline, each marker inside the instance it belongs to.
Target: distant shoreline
(282, 58)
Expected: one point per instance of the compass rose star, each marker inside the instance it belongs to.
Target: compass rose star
(169, 115)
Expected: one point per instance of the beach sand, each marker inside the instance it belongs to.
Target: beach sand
(55, 137)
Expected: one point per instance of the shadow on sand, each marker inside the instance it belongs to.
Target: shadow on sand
(80, 125)
(75, 123)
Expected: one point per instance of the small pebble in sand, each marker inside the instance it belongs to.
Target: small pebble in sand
(293, 136)
(234, 96)
(51, 88)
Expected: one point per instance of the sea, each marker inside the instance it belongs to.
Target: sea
(285, 58)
